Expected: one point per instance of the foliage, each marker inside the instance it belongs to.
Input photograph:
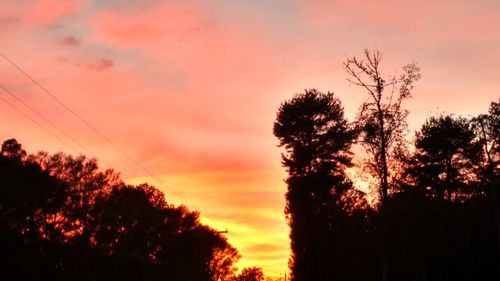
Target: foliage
(442, 220)
(316, 137)
(487, 129)
(250, 274)
(61, 218)
(314, 133)
(447, 157)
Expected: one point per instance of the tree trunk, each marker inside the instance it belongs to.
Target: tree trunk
(383, 154)
(384, 184)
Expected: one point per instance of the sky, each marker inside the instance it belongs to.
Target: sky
(190, 88)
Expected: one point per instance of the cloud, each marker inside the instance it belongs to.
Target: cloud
(99, 65)
(104, 63)
(265, 247)
(143, 30)
(47, 12)
(62, 59)
(71, 41)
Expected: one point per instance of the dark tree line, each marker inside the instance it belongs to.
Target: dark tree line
(437, 216)
(61, 218)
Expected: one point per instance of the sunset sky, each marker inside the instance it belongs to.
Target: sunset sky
(190, 88)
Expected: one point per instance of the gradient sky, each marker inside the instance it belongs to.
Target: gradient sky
(190, 88)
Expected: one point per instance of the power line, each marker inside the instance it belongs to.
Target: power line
(57, 128)
(90, 126)
(36, 122)
(61, 131)
(45, 119)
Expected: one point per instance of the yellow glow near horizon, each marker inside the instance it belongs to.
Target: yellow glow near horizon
(257, 230)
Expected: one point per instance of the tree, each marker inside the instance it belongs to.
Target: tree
(447, 157)
(12, 149)
(382, 120)
(83, 183)
(250, 274)
(27, 193)
(222, 258)
(62, 218)
(487, 127)
(312, 129)
(317, 138)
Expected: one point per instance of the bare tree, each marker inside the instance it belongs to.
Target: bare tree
(381, 120)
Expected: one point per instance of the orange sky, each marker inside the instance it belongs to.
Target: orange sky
(190, 88)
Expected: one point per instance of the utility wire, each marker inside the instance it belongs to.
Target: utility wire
(45, 119)
(35, 121)
(57, 128)
(61, 131)
(160, 261)
(53, 125)
(90, 126)
(109, 166)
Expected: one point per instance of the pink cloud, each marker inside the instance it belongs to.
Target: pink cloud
(167, 24)
(46, 12)
(221, 67)
(160, 155)
(101, 64)
(71, 41)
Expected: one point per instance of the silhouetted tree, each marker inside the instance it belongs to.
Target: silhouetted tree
(382, 120)
(443, 210)
(437, 225)
(317, 138)
(312, 129)
(250, 274)
(83, 182)
(26, 195)
(487, 128)
(427, 238)
(12, 149)
(61, 218)
(447, 157)
(222, 259)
